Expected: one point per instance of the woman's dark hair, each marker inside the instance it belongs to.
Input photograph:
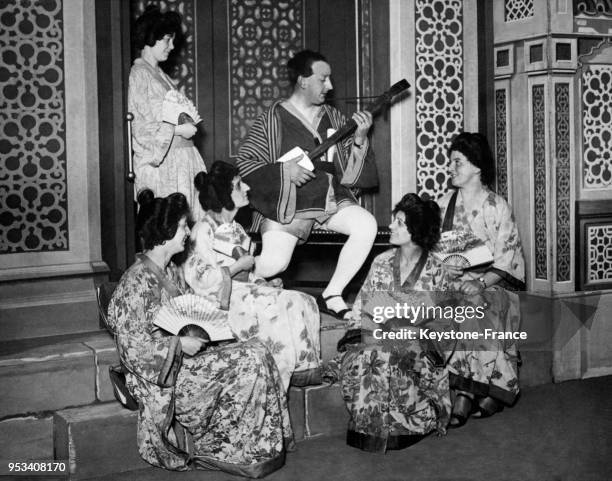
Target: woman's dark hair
(301, 64)
(422, 219)
(153, 25)
(158, 217)
(215, 187)
(476, 149)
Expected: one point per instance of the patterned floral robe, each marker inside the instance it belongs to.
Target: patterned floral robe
(163, 162)
(222, 409)
(286, 322)
(491, 369)
(392, 390)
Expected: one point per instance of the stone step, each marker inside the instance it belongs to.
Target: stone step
(100, 439)
(55, 373)
(96, 440)
(52, 374)
(27, 438)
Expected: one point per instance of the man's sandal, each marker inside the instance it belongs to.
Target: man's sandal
(322, 303)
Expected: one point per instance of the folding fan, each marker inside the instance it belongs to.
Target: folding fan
(192, 310)
(461, 248)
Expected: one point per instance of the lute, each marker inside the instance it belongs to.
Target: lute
(381, 102)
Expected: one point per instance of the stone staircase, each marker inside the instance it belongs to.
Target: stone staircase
(57, 401)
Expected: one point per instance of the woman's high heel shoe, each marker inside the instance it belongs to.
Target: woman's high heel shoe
(462, 409)
(486, 407)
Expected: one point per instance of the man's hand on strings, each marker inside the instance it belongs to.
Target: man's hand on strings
(298, 174)
(363, 120)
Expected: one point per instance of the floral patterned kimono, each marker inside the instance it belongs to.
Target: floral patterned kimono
(224, 408)
(286, 322)
(163, 162)
(490, 369)
(393, 391)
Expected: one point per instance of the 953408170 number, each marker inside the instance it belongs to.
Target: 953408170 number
(30, 468)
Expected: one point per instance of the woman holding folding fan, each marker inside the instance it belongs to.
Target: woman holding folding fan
(165, 158)
(485, 377)
(221, 407)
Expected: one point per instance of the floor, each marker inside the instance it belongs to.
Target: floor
(555, 432)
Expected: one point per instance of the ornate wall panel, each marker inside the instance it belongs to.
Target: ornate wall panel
(597, 126)
(439, 88)
(518, 9)
(181, 64)
(599, 255)
(501, 141)
(563, 189)
(263, 35)
(33, 187)
(539, 182)
(593, 7)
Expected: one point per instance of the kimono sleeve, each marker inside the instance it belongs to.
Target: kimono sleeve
(272, 192)
(507, 251)
(143, 349)
(379, 278)
(152, 136)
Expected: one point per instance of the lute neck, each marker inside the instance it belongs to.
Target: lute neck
(347, 128)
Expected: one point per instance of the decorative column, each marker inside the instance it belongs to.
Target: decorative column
(49, 189)
(433, 45)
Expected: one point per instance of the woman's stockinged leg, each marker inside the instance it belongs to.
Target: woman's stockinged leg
(276, 251)
(361, 227)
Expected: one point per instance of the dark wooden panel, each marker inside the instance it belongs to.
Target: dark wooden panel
(486, 94)
(221, 81)
(381, 134)
(205, 78)
(337, 43)
(116, 194)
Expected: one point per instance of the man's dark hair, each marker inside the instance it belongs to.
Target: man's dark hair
(301, 64)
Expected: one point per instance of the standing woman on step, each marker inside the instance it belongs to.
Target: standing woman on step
(484, 378)
(220, 407)
(165, 158)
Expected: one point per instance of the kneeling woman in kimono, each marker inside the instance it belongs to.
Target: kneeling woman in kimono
(211, 408)
(287, 322)
(395, 391)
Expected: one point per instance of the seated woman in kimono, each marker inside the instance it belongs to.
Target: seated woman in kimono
(396, 392)
(287, 322)
(485, 377)
(207, 407)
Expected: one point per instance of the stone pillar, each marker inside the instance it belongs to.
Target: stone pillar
(552, 124)
(49, 231)
(433, 45)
